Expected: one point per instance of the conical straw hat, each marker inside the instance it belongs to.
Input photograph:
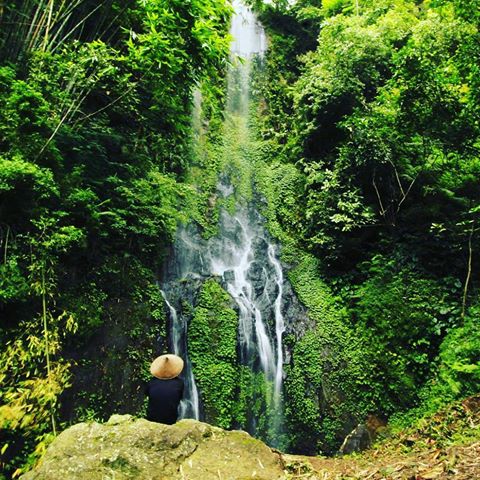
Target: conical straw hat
(166, 366)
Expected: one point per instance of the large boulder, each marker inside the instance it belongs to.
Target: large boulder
(129, 448)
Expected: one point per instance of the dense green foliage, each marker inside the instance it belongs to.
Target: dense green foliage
(95, 122)
(368, 148)
(232, 395)
(212, 341)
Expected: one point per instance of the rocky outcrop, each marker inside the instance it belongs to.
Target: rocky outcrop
(443, 446)
(360, 439)
(363, 435)
(129, 448)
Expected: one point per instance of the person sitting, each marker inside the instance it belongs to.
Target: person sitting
(165, 390)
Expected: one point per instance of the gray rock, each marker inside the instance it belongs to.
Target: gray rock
(358, 440)
(229, 276)
(128, 448)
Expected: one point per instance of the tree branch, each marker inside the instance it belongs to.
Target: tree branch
(469, 269)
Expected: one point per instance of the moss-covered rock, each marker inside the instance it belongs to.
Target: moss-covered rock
(126, 447)
(215, 362)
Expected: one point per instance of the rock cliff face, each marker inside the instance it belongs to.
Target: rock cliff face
(128, 448)
(245, 261)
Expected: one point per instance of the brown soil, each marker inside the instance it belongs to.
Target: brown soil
(445, 446)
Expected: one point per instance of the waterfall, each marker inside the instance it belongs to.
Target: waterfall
(231, 257)
(248, 34)
(279, 322)
(242, 256)
(189, 406)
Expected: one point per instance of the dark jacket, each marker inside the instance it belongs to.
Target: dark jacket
(163, 399)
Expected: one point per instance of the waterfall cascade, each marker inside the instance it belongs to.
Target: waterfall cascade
(189, 406)
(241, 255)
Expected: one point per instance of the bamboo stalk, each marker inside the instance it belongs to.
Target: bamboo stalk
(64, 19)
(57, 128)
(49, 22)
(33, 24)
(37, 32)
(47, 345)
(76, 105)
(113, 102)
(382, 208)
(6, 245)
(469, 270)
(25, 25)
(55, 19)
(37, 24)
(69, 89)
(15, 25)
(80, 23)
(59, 30)
(111, 23)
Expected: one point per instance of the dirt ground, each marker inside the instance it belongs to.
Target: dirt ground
(459, 462)
(445, 446)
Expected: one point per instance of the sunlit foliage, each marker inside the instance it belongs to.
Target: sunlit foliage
(95, 121)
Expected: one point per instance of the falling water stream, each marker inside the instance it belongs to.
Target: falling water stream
(241, 255)
(189, 406)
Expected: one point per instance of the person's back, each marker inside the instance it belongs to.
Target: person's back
(163, 399)
(166, 390)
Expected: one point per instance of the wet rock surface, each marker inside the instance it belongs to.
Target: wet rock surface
(357, 441)
(245, 261)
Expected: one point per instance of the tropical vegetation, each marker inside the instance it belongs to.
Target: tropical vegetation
(365, 140)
